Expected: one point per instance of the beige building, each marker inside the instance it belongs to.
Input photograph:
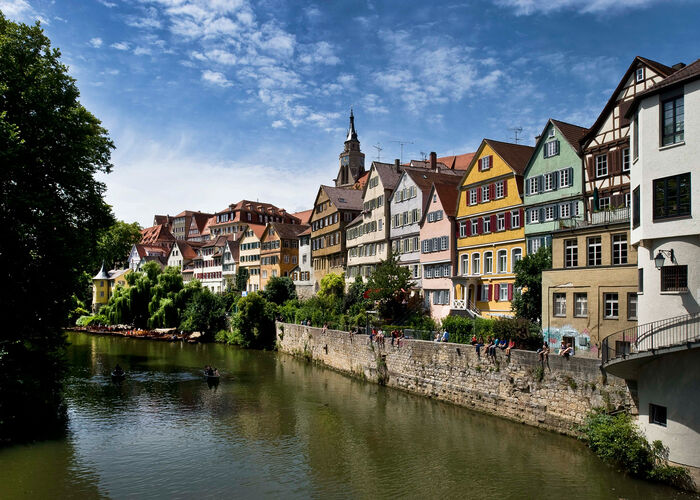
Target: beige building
(591, 290)
(249, 254)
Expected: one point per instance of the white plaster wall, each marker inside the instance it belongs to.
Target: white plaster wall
(656, 162)
(671, 381)
(409, 230)
(653, 304)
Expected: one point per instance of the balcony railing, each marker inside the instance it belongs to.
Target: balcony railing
(464, 305)
(621, 214)
(668, 332)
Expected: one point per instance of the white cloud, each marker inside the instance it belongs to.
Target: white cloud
(321, 52)
(528, 7)
(215, 78)
(149, 19)
(16, 9)
(120, 46)
(373, 104)
(107, 4)
(142, 51)
(277, 124)
(96, 42)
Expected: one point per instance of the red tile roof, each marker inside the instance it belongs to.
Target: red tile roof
(515, 155)
(457, 162)
(159, 234)
(304, 216)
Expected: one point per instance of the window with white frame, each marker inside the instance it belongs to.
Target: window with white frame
(626, 160)
(549, 212)
(472, 196)
(604, 203)
(488, 263)
(581, 305)
(639, 75)
(484, 293)
(533, 185)
(475, 227)
(570, 253)
(628, 200)
(515, 219)
(601, 165)
(560, 304)
(551, 148)
(500, 189)
(535, 244)
(501, 222)
(534, 216)
(517, 255)
(612, 307)
(484, 194)
(619, 249)
(564, 211)
(595, 247)
(462, 229)
(476, 263)
(487, 224)
(503, 293)
(485, 162)
(632, 306)
(564, 178)
(502, 261)
(548, 181)
(465, 265)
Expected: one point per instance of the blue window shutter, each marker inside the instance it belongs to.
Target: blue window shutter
(555, 180)
(556, 148)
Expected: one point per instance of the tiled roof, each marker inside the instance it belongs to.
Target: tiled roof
(356, 220)
(288, 231)
(258, 207)
(304, 216)
(185, 249)
(387, 174)
(690, 72)
(156, 234)
(306, 232)
(457, 162)
(515, 155)
(361, 181)
(572, 133)
(448, 194)
(344, 198)
(144, 250)
(425, 179)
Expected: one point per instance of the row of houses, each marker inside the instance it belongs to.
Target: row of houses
(603, 197)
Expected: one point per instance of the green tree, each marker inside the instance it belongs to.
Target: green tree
(254, 324)
(528, 277)
(205, 313)
(115, 242)
(354, 300)
(51, 209)
(389, 286)
(279, 290)
(241, 280)
(332, 287)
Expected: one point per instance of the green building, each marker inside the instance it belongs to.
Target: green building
(553, 184)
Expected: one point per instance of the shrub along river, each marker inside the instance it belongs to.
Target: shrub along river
(276, 426)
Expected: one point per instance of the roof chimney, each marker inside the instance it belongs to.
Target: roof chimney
(397, 166)
(678, 66)
(433, 160)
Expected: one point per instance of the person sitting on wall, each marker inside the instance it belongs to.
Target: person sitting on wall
(479, 344)
(543, 352)
(503, 344)
(567, 351)
(511, 346)
(325, 327)
(437, 337)
(474, 341)
(445, 336)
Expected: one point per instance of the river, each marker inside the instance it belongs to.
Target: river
(276, 426)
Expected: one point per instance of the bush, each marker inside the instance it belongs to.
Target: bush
(254, 324)
(617, 441)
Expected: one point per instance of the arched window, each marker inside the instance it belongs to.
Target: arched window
(465, 264)
(502, 261)
(488, 262)
(517, 255)
(476, 263)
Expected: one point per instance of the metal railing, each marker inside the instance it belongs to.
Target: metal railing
(649, 336)
(621, 214)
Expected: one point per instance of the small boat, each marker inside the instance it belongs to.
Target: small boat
(213, 376)
(118, 376)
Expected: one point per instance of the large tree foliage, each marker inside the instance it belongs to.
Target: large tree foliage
(528, 277)
(115, 242)
(51, 209)
(254, 325)
(279, 290)
(389, 287)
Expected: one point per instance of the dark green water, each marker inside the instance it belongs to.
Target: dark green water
(278, 427)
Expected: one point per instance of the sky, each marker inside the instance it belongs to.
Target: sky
(213, 101)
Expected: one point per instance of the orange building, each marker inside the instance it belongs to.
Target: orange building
(279, 250)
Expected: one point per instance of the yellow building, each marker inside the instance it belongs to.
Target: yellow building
(104, 283)
(490, 229)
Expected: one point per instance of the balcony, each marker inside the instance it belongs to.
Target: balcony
(613, 216)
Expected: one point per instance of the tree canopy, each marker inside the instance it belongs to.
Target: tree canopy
(115, 242)
(279, 290)
(389, 286)
(528, 277)
(51, 209)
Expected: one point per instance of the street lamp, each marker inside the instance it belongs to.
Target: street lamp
(659, 259)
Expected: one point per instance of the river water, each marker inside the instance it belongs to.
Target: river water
(277, 427)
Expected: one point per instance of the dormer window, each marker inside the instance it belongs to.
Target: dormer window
(485, 163)
(639, 75)
(552, 132)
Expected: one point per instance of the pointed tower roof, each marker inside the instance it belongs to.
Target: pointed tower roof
(102, 275)
(352, 134)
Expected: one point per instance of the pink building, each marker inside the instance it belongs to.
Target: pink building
(437, 256)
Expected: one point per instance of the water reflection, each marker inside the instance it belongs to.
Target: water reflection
(275, 426)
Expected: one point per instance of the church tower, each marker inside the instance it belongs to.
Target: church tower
(352, 160)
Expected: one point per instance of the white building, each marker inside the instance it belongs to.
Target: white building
(303, 274)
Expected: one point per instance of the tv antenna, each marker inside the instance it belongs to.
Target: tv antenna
(401, 143)
(516, 131)
(379, 149)
(424, 155)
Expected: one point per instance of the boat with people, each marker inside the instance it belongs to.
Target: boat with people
(118, 374)
(211, 373)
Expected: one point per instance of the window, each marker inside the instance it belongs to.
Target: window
(501, 222)
(580, 305)
(516, 257)
(626, 160)
(619, 249)
(502, 261)
(484, 194)
(594, 251)
(533, 185)
(611, 305)
(500, 189)
(462, 229)
(636, 136)
(515, 219)
(601, 165)
(639, 74)
(674, 278)
(657, 414)
(535, 244)
(672, 196)
(484, 295)
(640, 280)
(564, 211)
(475, 227)
(465, 265)
(672, 121)
(488, 263)
(485, 163)
(476, 263)
(560, 304)
(570, 253)
(628, 200)
(565, 178)
(551, 148)
(548, 182)
(636, 209)
(487, 224)
(631, 306)
(472, 197)
(604, 203)
(549, 213)
(534, 216)
(552, 132)
(503, 293)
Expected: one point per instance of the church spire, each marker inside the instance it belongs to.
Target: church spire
(352, 135)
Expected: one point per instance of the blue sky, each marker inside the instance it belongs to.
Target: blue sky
(211, 101)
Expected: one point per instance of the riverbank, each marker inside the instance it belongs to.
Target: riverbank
(164, 334)
(556, 395)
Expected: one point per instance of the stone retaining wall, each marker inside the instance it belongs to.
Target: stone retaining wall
(509, 388)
